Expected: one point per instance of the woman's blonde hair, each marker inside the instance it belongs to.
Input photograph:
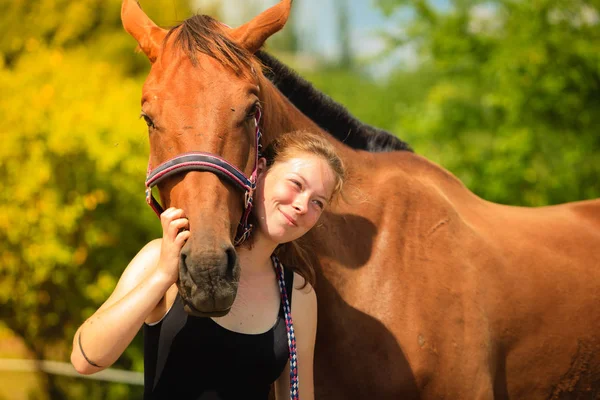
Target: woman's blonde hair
(295, 254)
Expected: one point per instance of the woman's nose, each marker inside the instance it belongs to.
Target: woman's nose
(300, 204)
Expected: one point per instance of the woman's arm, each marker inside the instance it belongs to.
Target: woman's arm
(304, 315)
(101, 340)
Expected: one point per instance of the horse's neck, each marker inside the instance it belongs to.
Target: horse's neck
(281, 115)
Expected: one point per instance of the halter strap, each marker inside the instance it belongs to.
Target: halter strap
(289, 327)
(202, 161)
(199, 161)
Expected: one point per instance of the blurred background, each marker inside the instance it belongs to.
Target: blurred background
(503, 93)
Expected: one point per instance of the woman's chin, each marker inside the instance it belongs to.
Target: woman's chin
(280, 236)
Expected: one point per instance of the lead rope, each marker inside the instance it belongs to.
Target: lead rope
(289, 327)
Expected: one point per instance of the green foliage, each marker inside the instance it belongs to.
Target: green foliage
(27, 25)
(512, 110)
(508, 103)
(72, 166)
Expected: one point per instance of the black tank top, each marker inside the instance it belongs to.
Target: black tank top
(194, 358)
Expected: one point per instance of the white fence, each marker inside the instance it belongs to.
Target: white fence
(66, 369)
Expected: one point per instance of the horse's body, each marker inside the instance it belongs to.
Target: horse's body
(439, 294)
(425, 290)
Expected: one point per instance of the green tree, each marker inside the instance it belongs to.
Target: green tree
(513, 107)
(72, 166)
(26, 25)
(343, 31)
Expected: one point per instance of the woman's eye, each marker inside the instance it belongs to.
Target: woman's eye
(319, 204)
(296, 183)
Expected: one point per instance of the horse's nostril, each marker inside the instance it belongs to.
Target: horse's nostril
(183, 257)
(206, 267)
(184, 253)
(231, 260)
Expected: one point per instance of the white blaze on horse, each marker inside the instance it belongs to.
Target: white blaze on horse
(425, 290)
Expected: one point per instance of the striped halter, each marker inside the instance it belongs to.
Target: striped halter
(201, 161)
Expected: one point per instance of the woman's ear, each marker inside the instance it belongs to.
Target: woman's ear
(262, 165)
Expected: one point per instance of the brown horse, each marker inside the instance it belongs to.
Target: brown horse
(425, 290)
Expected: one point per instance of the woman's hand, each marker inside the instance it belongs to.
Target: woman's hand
(175, 233)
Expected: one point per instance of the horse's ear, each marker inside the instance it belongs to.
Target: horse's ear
(253, 34)
(148, 35)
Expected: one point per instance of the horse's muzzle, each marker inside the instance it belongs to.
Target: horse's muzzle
(208, 280)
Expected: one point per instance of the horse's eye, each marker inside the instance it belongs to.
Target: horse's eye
(147, 119)
(253, 110)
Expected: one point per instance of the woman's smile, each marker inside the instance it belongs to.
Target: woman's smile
(291, 221)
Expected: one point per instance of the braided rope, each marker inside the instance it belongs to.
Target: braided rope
(289, 326)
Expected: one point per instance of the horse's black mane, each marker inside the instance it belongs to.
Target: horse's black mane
(329, 115)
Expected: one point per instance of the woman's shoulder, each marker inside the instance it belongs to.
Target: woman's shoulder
(304, 311)
(138, 269)
(150, 251)
(304, 294)
(301, 285)
(142, 264)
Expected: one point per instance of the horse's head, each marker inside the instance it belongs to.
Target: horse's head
(202, 95)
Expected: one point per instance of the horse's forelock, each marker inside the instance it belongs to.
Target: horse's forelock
(204, 34)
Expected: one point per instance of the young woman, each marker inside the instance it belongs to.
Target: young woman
(242, 353)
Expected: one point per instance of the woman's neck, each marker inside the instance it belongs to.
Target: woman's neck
(256, 260)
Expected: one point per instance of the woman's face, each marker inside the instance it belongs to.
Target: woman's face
(291, 196)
